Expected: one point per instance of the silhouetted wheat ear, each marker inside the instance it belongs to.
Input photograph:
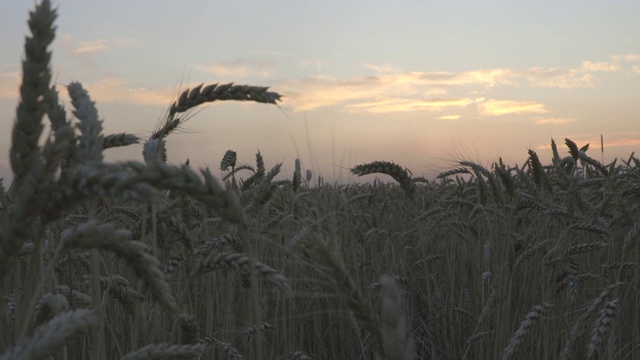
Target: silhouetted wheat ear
(32, 182)
(554, 150)
(297, 176)
(117, 140)
(90, 126)
(228, 160)
(388, 168)
(573, 149)
(191, 98)
(536, 167)
(34, 89)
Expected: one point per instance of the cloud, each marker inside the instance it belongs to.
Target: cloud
(239, 68)
(504, 107)
(10, 84)
(382, 68)
(393, 89)
(109, 89)
(626, 57)
(449, 117)
(560, 78)
(88, 47)
(589, 66)
(636, 69)
(112, 89)
(318, 64)
(404, 105)
(621, 143)
(486, 77)
(553, 121)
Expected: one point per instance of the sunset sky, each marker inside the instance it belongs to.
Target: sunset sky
(420, 83)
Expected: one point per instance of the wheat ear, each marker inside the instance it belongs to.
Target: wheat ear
(90, 142)
(524, 328)
(385, 167)
(34, 91)
(93, 235)
(24, 155)
(166, 351)
(118, 140)
(191, 98)
(52, 335)
(602, 327)
(297, 176)
(189, 329)
(395, 343)
(346, 285)
(242, 262)
(229, 350)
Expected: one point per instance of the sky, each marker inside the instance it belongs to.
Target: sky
(421, 83)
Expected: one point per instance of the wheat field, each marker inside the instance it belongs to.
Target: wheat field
(149, 260)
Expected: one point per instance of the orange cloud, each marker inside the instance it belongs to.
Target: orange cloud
(621, 142)
(403, 88)
(319, 64)
(627, 57)
(320, 91)
(599, 66)
(553, 121)
(557, 77)
(113, 89)
(404, 105)
(238, 68)
(109, 89)
(382, 68)
(504, 107)
(86, 47)
(449, 117)
(10, 84)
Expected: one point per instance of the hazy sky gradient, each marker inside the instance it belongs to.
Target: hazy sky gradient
(421, 83)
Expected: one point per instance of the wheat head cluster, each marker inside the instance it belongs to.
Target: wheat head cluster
(149, 260)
